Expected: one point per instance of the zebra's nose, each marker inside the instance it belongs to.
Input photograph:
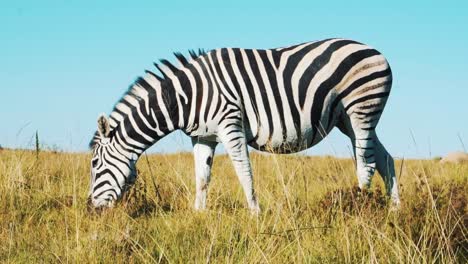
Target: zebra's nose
(91, 208)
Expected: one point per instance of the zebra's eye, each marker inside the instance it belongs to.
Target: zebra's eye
(94, 163)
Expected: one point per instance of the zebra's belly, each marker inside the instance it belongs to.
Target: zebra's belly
(284, 143)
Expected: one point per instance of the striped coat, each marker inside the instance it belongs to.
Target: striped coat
(280, 100)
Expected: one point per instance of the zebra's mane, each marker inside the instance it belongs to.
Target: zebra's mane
(133, 92)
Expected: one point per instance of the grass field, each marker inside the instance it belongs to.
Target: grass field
(311, 212)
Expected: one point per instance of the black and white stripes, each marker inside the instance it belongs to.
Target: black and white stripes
(279, 100)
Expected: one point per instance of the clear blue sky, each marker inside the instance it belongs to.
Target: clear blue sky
(64, 62)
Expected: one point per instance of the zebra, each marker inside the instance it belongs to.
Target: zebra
(281, 100)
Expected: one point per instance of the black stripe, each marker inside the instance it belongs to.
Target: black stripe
(100, 185)
(230, 111)
(368, 128)
(366, 98)
(276, 57)
(237, 145)
(369, 121)
(369, 114)
(363, 147)
(236, 138)
(234, 131)
(108, 190)
(370, 106)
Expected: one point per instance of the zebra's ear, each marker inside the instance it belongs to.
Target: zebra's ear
(103, 126)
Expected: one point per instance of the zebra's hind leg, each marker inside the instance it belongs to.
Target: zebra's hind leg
(386, 168)
(364, 149)
(203, 151)
(370, 155)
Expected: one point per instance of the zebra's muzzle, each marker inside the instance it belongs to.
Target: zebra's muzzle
(98, 205)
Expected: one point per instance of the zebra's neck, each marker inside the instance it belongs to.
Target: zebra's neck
(155, 106)
(154, 114)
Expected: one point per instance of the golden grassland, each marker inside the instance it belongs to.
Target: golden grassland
(311, 212)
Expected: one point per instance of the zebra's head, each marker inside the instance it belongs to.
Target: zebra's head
(113, 170)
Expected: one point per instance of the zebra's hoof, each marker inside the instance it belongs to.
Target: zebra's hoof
(255, 210)
(395, 205)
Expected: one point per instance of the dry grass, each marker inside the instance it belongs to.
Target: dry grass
(311, 213)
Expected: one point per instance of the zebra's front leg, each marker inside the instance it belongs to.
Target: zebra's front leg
(233, 138)
(203, 151)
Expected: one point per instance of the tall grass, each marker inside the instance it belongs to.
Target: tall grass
(311, 212)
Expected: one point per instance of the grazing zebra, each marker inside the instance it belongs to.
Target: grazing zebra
(280, 100)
